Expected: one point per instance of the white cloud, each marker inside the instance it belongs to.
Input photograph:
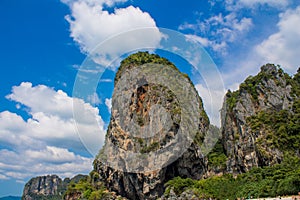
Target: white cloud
(48, 142)
(218, 31)
(283, 47)
(229, 27)
(204, 41)
(29, 165)
(51, 154)
(58, 104)
(52, 110)
(218, 47)
(108, 104)
(91, 25)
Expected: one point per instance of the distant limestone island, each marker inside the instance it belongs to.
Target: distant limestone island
(257, 155)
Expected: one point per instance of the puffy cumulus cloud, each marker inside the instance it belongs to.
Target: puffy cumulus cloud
(212, 101)
(50, 140)
(91, 25)
(51, 110)
(23, 160)
(283, 47)
(59, 103)
(218, 31)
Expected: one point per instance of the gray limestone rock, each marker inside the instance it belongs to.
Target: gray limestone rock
(269, 90)
(43, 186)
(156, 128)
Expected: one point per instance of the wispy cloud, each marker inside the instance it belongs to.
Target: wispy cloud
(233, 5)
(218, 31)
(94, 99)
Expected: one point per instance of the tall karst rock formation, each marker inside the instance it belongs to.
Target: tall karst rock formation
(156, 128)
(260, 121)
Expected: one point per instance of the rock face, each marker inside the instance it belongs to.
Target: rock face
(48, 187)
(269, 91)
(149, 139)
(43, 186)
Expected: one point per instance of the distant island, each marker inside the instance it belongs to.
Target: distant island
(10, 198)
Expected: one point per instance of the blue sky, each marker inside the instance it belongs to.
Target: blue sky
(44, 43)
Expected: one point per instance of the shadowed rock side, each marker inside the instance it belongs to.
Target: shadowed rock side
(247, 124)
(144, 104)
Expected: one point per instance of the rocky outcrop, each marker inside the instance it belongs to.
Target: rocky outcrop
(48, 187)
(268, 92)
(155, 131)
(43, 186)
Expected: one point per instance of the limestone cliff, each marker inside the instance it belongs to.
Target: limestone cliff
(155, 131)
(48, 187)
(43, 187)
(252, 116)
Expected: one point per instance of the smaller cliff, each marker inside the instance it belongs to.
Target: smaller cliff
(50, 187)
(260, 121)
(43, 187)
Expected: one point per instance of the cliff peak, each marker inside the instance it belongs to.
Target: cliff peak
(270, 68)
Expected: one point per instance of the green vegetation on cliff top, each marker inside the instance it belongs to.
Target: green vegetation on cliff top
(141, 58)
(251, 84)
